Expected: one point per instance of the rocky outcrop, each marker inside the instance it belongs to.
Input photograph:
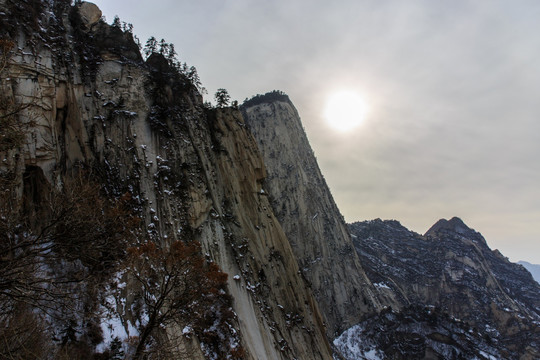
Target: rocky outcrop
(310, 218)
(89, 100)
(452, 268)
(415, 332)
(90, 14)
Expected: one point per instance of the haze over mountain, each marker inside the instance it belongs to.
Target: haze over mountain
(534, 269)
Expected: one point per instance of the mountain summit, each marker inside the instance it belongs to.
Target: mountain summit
(455, 224)
(134, 217)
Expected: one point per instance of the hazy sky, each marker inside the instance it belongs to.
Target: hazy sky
(453, 89)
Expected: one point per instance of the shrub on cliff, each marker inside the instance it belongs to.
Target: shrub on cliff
(178, 286)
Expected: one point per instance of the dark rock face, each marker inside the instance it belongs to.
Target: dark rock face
(417, 332)
(452, 267)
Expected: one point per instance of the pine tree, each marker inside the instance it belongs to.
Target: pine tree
(116, 22)
(151, 46)
(163, 47)
(222, 98)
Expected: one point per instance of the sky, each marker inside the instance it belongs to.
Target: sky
(452, 89)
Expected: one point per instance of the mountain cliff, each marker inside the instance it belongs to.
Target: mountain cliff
(452, 272)
(83, 104)
(444, 294)
(306, 209)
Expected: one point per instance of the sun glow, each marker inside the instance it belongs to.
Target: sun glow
(345, 110)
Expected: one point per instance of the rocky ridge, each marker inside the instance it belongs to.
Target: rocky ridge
(451, 268)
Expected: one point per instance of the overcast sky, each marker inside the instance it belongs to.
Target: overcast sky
(453, 89)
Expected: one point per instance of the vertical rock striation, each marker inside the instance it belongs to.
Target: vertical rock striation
(305, 208)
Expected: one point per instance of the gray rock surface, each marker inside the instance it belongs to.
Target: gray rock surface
(310, 218)
(90, 13)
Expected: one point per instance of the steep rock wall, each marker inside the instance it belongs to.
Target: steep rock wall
(304, 206)
(196, 174)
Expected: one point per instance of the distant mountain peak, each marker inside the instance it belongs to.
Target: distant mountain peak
(533, 269)
(455, 224)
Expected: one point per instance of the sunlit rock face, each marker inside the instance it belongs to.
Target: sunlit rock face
(310, 218)
(194, 173)
(451, 268)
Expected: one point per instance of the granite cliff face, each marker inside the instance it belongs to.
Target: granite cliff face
(88, 100)
(305, 208)
(452, 270)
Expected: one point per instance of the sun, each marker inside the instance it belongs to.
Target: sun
(345, 110)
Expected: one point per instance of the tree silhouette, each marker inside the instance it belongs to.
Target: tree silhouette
(51, 250)
(151, 46)
(116, 22)
(222, 98)
(163, 47)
